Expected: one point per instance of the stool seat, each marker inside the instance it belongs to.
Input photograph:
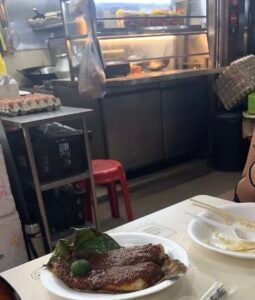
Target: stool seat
(108, 172)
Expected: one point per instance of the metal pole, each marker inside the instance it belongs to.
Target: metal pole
(92, 182)
(67, 41)
(37, 185)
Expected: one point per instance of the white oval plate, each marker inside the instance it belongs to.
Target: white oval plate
(200, 232)
(57, 287)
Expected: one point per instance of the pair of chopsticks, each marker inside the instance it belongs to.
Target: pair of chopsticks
(224, 213)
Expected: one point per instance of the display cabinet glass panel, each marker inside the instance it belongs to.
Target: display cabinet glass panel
(159, 35)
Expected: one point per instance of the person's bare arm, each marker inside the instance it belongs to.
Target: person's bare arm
(245, 189)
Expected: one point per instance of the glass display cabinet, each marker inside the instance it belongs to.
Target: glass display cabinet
(145, 35)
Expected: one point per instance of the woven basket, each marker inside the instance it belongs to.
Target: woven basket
(236, 82)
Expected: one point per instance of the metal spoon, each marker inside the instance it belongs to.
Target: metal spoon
(237, 233)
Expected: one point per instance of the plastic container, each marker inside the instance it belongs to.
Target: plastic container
(251, 103)
(35, 240)
(248, 125)
(229, 148)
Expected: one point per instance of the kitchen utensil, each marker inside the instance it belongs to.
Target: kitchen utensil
(115, 70)
(39, 74)
(237, 233)
(136, 69)
(250, 223)
(156, 64)
(62, 66)
(38, 15)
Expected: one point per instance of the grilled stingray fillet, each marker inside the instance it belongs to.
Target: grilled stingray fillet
(115, 279)
(124, 256)
(121, 270)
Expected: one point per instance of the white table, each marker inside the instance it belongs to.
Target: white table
(206, 266)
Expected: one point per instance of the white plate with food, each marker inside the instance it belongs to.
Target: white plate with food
(214, 239)
(56, 286)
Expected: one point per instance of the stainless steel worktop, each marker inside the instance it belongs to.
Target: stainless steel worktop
(146, 78)
(159, 76)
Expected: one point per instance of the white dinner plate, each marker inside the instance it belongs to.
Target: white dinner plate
(201, 233)
(57, 287)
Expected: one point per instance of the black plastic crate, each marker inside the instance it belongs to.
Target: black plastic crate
(74, 199)
(64, 207)
(59, 151)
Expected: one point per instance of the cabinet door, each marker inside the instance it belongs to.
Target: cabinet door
(133, 128)
(185, 115)
(70, 96)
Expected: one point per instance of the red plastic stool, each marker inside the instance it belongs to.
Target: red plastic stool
(108, 172)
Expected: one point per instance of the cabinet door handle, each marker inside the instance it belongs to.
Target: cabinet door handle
(90, 135)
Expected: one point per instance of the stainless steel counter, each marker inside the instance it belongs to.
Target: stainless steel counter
(146, 78)
(159, 77)
(178, 102)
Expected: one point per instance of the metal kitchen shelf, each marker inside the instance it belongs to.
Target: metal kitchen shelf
(76, 37)
(150, 31)
(47, 27)
(152, 35)
(113, 33)
(159, 58)
(58, 183)
(150, 17)
(62, 114)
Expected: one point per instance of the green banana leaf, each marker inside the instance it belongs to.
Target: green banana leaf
(88, 239)
(62, 251)
(85, 240)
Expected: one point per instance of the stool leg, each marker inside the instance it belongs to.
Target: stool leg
(113, 197)
(85, 185)
(127, 201)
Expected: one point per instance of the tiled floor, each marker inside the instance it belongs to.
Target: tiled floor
(167, 191)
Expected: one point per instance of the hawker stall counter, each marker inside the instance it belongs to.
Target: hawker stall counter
(148, 118)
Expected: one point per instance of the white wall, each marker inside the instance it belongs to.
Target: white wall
(26, 59)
